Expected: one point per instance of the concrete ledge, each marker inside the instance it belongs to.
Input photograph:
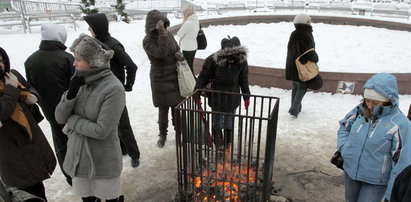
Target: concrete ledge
(274, 77)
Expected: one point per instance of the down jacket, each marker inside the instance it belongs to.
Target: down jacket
(227, 69)
(91, 119)
(161, 53)
(23, 162)
(376, 149)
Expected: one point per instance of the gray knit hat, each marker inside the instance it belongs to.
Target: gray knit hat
(91, 50)
(302, 19)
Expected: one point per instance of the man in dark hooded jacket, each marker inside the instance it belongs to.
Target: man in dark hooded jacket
(301, 40)
(49, 70)
(119, 65)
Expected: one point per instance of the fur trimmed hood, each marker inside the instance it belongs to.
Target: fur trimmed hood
(237, 54)
(91, 50)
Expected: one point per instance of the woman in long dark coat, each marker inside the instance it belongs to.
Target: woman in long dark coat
(301, 40)
(26, 158)
(161, 49)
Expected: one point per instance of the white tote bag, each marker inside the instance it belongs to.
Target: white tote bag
(186, 81)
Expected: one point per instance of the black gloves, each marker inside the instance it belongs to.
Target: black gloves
(128, 87)
(75, 84)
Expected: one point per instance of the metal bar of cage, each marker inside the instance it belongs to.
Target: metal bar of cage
(214, 171)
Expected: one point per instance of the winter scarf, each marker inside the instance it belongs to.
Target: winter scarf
(18, 114)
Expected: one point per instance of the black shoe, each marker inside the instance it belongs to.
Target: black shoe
(135, 162)
(161, 141)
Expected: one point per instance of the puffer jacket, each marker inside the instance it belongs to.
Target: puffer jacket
(227, 69)
(376, 149)
(161, 53)
(91, 119)
(188, 33)
(301, 40)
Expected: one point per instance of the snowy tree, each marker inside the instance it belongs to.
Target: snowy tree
(121, 12)
(88, 7)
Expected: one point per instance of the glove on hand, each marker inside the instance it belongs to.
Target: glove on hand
(179, 56)
(11, 79)
(246, 104)
(31, 99)
(74, 86)
(128, 87)
(160, 28)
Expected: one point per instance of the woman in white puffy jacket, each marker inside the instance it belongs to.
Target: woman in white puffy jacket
(188, 35)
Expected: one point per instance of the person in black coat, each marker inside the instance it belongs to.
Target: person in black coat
(227, 69)
(301, 40)
(49, 70)
(26, 158)
(119, 65)
(401, 190)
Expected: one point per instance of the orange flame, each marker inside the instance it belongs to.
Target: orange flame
(228, 176)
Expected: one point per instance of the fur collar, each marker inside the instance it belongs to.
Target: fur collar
(236, 54)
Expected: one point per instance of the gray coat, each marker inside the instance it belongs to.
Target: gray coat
(91, 119)
(161, 53)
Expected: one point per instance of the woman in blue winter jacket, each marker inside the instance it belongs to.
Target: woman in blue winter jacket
(374, 141)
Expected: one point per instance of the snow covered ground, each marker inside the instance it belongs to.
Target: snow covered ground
(304, 145)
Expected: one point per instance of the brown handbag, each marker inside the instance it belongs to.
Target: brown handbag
(308, 70)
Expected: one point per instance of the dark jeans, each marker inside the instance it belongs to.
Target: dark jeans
(297, 95)
(126, 135)
(36, 190)
(358, 191)
(60, 145)
(189, 56)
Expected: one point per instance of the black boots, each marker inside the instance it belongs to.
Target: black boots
(161, 140)
(163, 134)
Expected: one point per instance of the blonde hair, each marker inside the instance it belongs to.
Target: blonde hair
(187, 12)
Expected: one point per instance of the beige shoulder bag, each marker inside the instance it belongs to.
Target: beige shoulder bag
(308, 70)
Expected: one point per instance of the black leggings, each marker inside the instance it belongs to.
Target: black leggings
(189, 56)
(36, 190)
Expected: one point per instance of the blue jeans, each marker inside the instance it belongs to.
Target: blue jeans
(357, 191)
(297, 95)
(223, 121)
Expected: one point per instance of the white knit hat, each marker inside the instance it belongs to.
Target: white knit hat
(374, 95)
(302, 19)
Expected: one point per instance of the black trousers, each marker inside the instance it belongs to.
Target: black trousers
(189, 56)
(163, 118)
(126, 135)
(60, 145)
(36, 190)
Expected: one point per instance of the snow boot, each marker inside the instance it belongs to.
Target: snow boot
(163, 134)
